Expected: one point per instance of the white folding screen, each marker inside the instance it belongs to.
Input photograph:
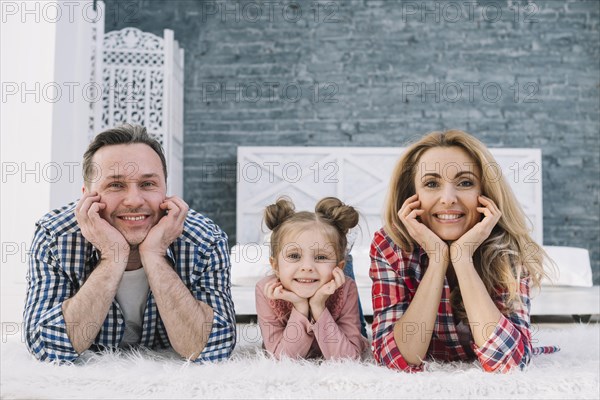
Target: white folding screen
(140, 79)
(359, 177)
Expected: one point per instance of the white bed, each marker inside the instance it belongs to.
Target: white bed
(360, 177)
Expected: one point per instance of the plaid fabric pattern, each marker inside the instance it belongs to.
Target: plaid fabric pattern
(545, 350)
(61, 260)
(396, 275)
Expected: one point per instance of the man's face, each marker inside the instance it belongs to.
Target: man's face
(129, 179)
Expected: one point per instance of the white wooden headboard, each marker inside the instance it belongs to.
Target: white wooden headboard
(359, 177)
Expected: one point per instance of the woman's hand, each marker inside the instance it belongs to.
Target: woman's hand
(435, 247)
(275, 291)
(317, 301)
(466, 245)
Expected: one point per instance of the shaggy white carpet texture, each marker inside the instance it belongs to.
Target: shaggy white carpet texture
(572, 373)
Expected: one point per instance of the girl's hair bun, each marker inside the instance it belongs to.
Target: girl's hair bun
(344, 217)
(278, 213)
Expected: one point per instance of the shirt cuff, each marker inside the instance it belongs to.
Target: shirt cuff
(391, 357)
(49, 339)
(220, 342)
(323, 320)
(502, 343)
(300, 320)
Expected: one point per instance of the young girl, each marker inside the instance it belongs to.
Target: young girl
(308, 308)
(452, 266)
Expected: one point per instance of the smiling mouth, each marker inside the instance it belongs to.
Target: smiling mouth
(306, 280)
(448, 217)
(138, 218)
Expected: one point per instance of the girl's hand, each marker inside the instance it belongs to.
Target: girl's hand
(435, 247)
(466, 245)
(275, 291)
(317, 302)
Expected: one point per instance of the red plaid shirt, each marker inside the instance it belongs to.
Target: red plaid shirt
(396, 276)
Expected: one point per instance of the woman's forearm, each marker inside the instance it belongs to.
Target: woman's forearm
(413, 331)
(481, 311)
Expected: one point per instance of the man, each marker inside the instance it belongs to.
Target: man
(126, 265)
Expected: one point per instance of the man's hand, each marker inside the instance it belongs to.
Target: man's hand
(106, 238)
(435, 247)
(275, 291)
(86, 310)
(168, 228)
(317, 302)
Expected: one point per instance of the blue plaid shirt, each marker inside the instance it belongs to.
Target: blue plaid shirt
(62, 259)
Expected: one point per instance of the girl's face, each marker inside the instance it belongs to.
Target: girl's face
(305, 262)
(448, 184)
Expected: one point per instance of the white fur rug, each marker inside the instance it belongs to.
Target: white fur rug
(572, 373)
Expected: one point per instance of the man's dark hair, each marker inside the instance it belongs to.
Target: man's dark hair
(124, 134)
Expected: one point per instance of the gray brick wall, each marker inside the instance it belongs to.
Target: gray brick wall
(513, 73)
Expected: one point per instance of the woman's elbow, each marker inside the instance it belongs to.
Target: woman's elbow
(396, 361)
(509, 363)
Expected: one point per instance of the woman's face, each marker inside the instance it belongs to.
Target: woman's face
(448, 184)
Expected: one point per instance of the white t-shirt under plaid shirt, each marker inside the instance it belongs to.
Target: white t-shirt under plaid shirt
(132, 294)
(61, 260)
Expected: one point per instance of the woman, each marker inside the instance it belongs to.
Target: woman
(453, 265)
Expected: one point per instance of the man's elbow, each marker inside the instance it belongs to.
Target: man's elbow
(192, 349)
(189, 354)
(212, 354)
(219, 347)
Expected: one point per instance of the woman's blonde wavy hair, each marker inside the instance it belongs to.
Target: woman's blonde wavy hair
(508, 254)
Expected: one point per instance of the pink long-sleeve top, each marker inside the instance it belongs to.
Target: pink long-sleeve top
(335, 335)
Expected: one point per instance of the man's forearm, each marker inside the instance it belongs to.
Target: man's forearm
(187, 320)
(85, 312)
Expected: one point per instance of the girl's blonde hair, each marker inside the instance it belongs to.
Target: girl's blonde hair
(331, 215)
(508, 254)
